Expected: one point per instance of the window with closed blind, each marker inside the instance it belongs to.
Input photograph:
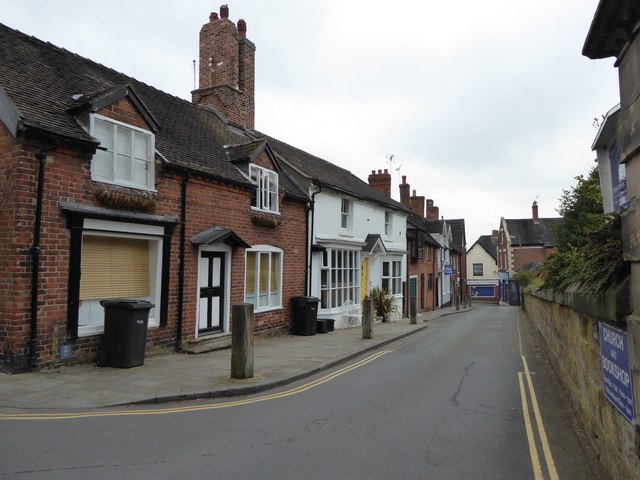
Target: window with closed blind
(117, 265)
(113, 267)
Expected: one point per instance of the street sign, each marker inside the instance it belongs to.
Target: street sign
(616, 371)
(448, 269)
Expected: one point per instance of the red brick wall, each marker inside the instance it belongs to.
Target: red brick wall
(227, 69)
(421, 268)
(68, 179)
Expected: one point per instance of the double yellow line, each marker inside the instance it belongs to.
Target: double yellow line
(529, 392)
(196, 408)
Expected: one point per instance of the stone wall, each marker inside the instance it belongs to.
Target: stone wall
(568, 324)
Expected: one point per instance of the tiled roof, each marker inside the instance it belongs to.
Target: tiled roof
(527, 232)
(458, 240)
(490, 245)
(417, 223)
(325, 173)
(45, 85)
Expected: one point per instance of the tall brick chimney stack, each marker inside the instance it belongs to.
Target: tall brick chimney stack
(534, 212)
(404, 192)
(227, 69)
(433, 212)
(417, 204)
(381, 181)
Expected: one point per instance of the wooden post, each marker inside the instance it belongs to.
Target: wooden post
(413, 310)
(367, 319)
(242, 341)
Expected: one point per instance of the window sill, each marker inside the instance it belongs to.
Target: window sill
(268, 309)
(93, 330)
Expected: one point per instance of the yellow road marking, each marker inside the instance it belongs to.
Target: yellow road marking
(533, 451)
(544, 441)
(195, 408)
(546, 448)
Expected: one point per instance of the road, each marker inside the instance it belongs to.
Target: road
(471, 397)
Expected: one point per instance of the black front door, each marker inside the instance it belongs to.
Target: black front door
(211, 308)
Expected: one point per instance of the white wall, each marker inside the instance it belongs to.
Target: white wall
(367, 218)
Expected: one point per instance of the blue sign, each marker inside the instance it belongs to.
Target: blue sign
(616, 371)
(448, 269)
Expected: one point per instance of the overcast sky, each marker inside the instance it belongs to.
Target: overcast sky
(486, 105)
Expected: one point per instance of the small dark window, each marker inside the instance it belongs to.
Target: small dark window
(477, 270)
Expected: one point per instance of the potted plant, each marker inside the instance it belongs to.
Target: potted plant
(384, 302)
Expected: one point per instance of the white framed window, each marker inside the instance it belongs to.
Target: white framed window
(346, 214)
(265, 196)
(125, 156)
(392, 276)
(339, 277)
(263, 277)
(118, 261)
(388, 224)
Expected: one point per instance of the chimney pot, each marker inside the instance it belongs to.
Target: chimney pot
(213, 16)
(404, 179)
(386, 171)
(242, 28)
(414, 192)
(224, 11)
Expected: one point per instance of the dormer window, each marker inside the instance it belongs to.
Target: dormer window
(265, 196)
(125, 154)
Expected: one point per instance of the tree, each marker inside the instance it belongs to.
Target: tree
(581, 211)
(588, 242)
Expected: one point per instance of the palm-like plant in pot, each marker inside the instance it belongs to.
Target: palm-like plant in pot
(384, 302)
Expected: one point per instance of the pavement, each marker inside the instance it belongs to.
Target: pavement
(177, 377)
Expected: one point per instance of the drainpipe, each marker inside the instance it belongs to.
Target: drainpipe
(183, 226)
(309, 241)
(32, 361)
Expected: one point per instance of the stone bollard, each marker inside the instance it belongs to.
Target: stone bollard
(242, 341)
(457, 302)
(367, 319)
(413, 310)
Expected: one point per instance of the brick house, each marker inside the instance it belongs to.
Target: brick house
(112, 188)
(422, 270)
(146, 196)
(523, 244)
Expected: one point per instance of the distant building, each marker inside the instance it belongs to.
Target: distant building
(523, 244)
(482, 269)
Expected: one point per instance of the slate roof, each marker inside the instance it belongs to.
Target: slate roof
(489, 243)
(527, 232)
(46, 85)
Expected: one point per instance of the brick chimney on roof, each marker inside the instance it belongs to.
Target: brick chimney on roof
(227, 69)
(534, 212)
(381, 181)
(417, 204)
(433, 212)
(404, 192)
